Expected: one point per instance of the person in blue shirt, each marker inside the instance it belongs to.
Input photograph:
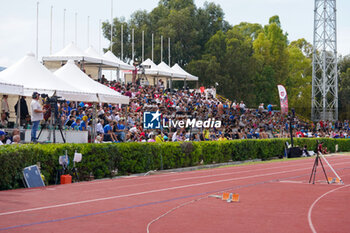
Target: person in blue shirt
(76, 123)
(109, 134)
(83, 124)
(120, 130)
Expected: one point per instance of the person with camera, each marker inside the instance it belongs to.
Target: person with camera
(37, 115)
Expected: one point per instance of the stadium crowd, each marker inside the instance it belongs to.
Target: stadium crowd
(124, 123)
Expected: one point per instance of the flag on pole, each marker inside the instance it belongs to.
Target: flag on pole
(283, 99)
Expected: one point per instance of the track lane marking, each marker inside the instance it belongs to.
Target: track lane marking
(315, 202)
(151, 191)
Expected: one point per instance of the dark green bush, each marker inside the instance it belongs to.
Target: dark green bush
(102, 160)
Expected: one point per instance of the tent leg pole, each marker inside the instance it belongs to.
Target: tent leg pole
(93, 131)
(99, 74)
(118, 75)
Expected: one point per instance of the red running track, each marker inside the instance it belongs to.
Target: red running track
(274, 197)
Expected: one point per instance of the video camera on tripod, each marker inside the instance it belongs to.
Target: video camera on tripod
(51, 106)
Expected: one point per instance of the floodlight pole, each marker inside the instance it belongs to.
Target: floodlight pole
(169, 51)
(152, 46)
(111, 26)
(76, 28)
(132, 44)
(99, 36)
(64, 27)
(143, 45)
(161, 48)
(51, 30)
(37, 29)
(88, 31)
(121, 43)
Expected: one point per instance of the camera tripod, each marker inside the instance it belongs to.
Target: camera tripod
(51, 126)
(314, 168)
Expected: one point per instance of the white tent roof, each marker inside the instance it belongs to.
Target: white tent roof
(109, 56)
(35, 77)
(104, 62)
(178, 69)
(72, 52)
(72, 74)
(93, 53)
(153, 69)
(163, 66)
(7, 88)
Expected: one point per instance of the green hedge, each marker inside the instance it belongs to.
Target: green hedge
(102, 159)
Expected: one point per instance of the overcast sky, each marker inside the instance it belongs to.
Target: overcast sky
(18, 21)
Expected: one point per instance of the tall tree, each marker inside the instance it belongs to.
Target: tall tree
(344, 88)
(299, 78)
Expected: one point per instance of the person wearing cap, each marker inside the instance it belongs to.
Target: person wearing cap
(2, 137)
(83, 124)
(76, 123)
(37, 115)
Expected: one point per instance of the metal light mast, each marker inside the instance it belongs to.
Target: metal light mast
(324, 63)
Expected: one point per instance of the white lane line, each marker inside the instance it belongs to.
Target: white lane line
(151, 191)
(236, 172)
(165, 175)
(292, 181)
(146, 192)
(315, 202)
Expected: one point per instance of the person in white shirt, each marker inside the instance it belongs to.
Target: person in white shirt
(99, 127)
(37, 115)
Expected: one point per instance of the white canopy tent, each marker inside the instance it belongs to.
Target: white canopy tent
(188, 76)
(89, 60)
(7, 88)
(104, 62)
(174, 74)
(152, 69)
(72, 74)
(33, 76)
(72, 52)
(109, 56)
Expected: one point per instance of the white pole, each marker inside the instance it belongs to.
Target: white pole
(51, 30)
(111, 46)
(143, 45)
(111, 25)
(37, 29)
(121, 43)
(169, 51)
(88, 31)
(132, 44)
(161, 48)
(76, 28)
(99, 36)
(64, 27)
(152, 46)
